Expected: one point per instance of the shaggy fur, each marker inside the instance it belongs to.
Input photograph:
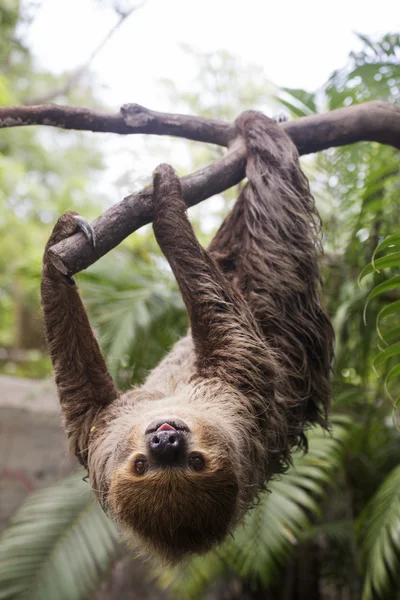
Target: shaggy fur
(248, 379)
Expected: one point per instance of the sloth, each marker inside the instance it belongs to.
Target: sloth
(178, 461)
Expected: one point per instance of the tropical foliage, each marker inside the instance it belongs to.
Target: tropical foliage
(42, 537)
(336, 514)
(57, 545)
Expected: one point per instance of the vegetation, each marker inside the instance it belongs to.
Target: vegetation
(336, 514)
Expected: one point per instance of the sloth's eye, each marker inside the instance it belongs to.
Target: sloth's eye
(140, 465)
(196, 462)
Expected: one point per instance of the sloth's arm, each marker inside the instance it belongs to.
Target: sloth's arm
(227, 339)
(83, 382)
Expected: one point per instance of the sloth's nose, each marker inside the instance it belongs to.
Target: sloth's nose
(165, 446)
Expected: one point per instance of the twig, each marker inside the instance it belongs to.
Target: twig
(132, 118)
(74, 77)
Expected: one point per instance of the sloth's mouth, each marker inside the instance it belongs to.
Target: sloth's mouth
(165, 424)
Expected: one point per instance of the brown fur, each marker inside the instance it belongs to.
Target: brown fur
(251, 375)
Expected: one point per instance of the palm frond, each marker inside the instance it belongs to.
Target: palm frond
(379, 534)
(299, 102)
(391, 260)
(336, 531)
(137, 311)
(58, 545)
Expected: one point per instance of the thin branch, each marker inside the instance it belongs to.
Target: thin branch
(70, 81)
(373, 121)
(132, 118)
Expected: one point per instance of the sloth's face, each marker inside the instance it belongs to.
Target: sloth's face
(167, 443)
(177, 489)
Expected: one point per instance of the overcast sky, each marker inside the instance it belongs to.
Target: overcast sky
(298, 43)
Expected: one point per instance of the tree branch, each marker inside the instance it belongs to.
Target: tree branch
(368, 122)
(74, 254)
(132, 118)
(373, 121)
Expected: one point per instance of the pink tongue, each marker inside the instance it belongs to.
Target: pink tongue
(166, 427)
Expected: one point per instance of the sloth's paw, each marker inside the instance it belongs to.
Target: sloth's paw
(68, 224)
(167, 190)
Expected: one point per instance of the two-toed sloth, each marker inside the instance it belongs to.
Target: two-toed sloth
(179, 460)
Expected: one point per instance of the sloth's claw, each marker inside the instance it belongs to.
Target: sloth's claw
(87, 229)
(281, 117)
(67, 225)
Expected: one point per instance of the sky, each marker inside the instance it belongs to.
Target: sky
(297, 43)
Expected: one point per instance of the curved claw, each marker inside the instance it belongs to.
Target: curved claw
(281, 117)
(87, 229)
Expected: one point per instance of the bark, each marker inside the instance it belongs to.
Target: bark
(74, 254)
(372, 121)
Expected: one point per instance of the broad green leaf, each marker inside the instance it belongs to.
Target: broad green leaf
(391, 260)
(390, 309)
(299, 102)
(394, 372)
(58, 545)
(387, 353)
(390, 284)
(378, 531)
(391, 241)
(393, 308)
(392, 334)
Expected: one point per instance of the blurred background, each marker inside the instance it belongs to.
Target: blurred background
(330, 528)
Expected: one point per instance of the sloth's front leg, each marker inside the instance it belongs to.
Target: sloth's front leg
(227, 339)
(83, 382)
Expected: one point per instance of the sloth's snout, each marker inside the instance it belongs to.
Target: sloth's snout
(166, 446)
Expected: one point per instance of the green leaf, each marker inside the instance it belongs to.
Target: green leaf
(390, 284)
(392, 334)
(387, 353)
(391, 241)
(390, 309)
(394, 372)
(378, 531)
(391, 260)
(298, 101)
(58, 545)
(137, 310)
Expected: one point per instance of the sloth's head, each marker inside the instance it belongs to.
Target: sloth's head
(175, 488)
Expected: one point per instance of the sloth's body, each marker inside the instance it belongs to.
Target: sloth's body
(179, 460)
